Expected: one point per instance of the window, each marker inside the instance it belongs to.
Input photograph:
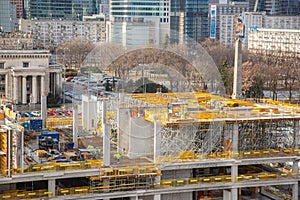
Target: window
(25, 64)
(1, 65)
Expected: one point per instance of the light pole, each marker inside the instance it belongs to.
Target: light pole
(143, 78)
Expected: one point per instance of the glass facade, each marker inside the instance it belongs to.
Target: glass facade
(8, 20)
(57, 9)
(190, 18)
(138, 22)
(128, 10)
(280, 7)
(50, 9)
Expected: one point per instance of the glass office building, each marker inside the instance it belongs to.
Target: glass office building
(8, 20)
(138, 23)
(58, 9)
(188, 20)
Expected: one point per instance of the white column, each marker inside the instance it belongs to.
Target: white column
(237, 76)
(44, 109)
(15, 89)
(9, 136)
(157, 197)
(58, 81)
(6, 85)
(34, 90)
(234, 174)
(24, 90)
(75, 125)
(106, 136)
(235, 139)
(295, 191)
(226, 195)
(51, 187)
(43, 91)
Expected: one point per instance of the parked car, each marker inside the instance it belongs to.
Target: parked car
(28, 114)
(70, 78)
(36, 113)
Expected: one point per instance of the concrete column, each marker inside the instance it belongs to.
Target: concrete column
(235, 139)
(134, 198)
(297, 132)
(34, 90)
(24, 90)
(22, 152)
(106, 137)
(157, 141)
(234, 194)
(295, 168)
(16, 89)
(43, 91)
(226, 195)
(44, 109)
(295, 191)
(75, 125)
(234, 174)
(157, 197)
(58, 81)
(51, 187)
(118, 130)
(237, 77)
(6, 85)
(9, 151)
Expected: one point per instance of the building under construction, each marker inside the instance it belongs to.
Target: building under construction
(168, 146)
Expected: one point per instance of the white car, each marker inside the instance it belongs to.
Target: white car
(36, 113)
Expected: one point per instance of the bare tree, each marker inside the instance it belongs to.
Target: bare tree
(249, 72)
(73, 52)
(290, 73)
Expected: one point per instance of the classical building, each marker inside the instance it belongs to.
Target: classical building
(26, 74)
(277, 40)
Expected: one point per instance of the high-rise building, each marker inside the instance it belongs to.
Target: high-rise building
(56, 9)
(188, 20)
(221, 22)
(279, 7)
(136, 23)
(8, 18)
(289, 7)
(49, 9)
(19, 7)
(84, 8)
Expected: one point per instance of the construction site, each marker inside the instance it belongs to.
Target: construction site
(154, 146)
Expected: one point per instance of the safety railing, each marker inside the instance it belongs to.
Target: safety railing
(113, 185)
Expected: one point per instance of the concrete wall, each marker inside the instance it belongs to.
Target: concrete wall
(177, 174)
(136, 134)
(124, 115)
(178, 196)
(140, 137)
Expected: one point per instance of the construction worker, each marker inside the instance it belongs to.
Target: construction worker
(90, 147)
(117, 156)
(123, 152)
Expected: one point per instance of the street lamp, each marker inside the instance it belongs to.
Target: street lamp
(143, 78)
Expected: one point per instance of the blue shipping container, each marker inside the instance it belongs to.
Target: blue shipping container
(26, 126)
(53, 135)
(36, 124)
